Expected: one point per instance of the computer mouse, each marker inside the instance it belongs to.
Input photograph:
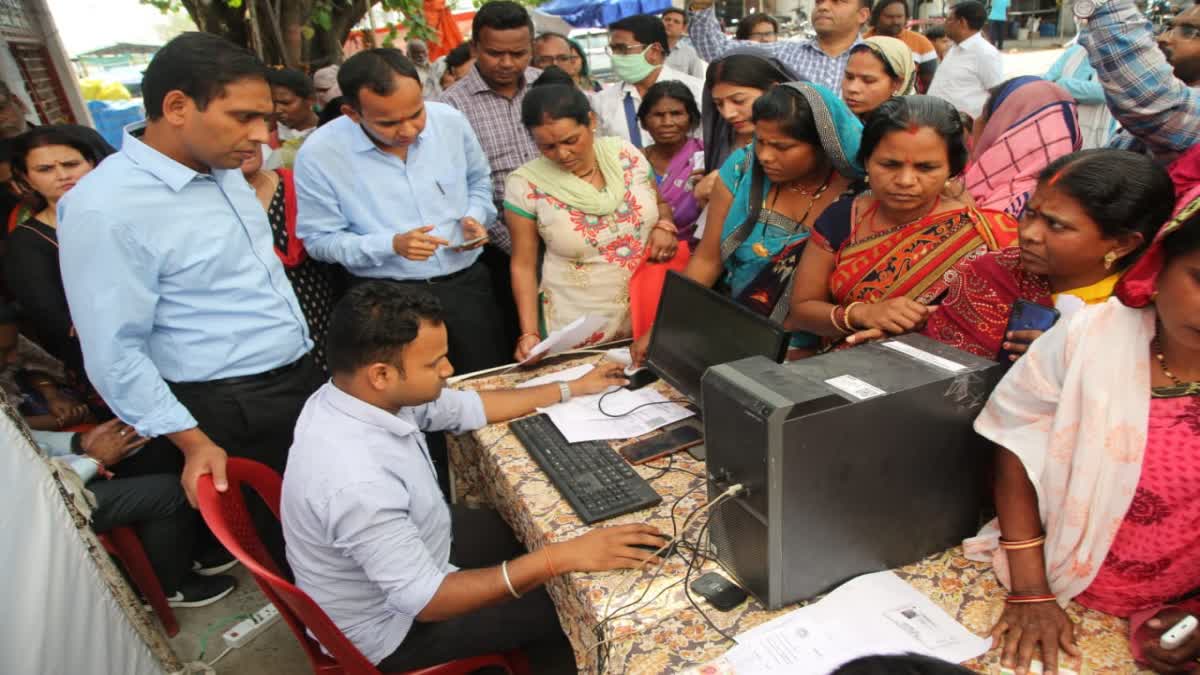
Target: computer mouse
(667, 552)
(631, 369)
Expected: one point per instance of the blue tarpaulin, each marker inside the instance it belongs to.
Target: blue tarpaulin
(600, 13)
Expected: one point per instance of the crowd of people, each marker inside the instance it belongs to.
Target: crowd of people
(288, 269)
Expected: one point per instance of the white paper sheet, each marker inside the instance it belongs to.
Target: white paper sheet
(567, 337)
(580, 418)
(560, 376)
(871, 614)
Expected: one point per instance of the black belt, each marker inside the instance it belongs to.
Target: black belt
(257, 377)
(441, 279)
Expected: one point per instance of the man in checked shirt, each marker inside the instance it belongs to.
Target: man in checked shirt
(490, 96)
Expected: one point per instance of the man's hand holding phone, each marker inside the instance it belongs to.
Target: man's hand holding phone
(474, 235)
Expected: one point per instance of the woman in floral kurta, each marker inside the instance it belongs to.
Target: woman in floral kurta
(594, 204)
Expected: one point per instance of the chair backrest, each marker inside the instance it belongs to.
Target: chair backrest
(227, 517)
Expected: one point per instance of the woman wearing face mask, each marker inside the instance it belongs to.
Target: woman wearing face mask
(877, 262)
(593, 203)
(1090, 217)
(47, 162)
(670, 114)
(1097, 467)
(731, 87)
(878, 69)
(771, 195)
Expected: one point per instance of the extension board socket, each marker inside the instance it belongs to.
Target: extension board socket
(250, 628)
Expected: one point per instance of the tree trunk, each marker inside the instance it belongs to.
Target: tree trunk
(282, 31)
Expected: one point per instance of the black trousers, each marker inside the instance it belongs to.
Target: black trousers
(483, 539)
(253, 419)
(474, 323)
(499, 266)
(997, 30)
(157, 509)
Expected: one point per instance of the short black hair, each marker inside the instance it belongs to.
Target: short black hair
(198, 64)
(748, 22)
(375, 69)
(971, 11)
(900, 664)
(670, 89)
(86, 140)
(1122, 191)
(935, 32)
(554, 96)
(374, 321)
(675, 10)
(459, 55)
(647, 29)
(500, 15)
(881, 5)
(293, 80)
(901, 113)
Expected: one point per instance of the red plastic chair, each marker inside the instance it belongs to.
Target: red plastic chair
(227, 517)
(123, 543)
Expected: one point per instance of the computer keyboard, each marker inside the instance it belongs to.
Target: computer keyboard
(596, 481)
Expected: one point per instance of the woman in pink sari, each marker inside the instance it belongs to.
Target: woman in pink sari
(1098, 466)
(1026, 124)
(669, 114)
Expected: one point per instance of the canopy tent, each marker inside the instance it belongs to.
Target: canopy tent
(600, 13)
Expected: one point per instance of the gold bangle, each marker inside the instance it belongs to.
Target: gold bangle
(525, 335)
(1023, 544)
(849, 326)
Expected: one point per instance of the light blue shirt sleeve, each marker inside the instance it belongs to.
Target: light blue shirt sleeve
(371, 524)
(454, 411)
(112, 290)
(481, 207)
(325, 229)
(57, 444)
(1081, 84)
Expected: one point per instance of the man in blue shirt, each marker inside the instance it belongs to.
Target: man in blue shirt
(189, 327)
(399, 188)
(412, 581)
(998, 22)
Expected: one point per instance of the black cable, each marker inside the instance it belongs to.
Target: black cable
(600, 404)
(687, 588)
(664, 470)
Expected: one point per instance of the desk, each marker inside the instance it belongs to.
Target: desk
(668, 635)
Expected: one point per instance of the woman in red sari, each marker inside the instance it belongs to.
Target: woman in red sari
(1090, 216)
(879, 263)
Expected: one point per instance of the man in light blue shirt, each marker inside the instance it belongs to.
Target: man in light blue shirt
(411, 581)
(399, 188)
(998, 22)
(190, 329)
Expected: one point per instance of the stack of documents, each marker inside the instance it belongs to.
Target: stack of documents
(871, 614)
(580, 418)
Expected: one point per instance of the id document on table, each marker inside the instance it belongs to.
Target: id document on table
(872, 614)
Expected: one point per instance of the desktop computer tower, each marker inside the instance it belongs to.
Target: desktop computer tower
(855, 461)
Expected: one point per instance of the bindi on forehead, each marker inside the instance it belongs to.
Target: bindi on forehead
(913, 128)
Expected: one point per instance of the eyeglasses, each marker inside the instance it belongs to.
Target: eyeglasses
(624, 50)
(560, 60)
(1185, 31)
(765, 35)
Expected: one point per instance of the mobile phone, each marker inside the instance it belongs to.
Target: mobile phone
(1028, 315)
(471, 242)
(662, 444)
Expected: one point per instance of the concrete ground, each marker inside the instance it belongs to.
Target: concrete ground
(274, 652)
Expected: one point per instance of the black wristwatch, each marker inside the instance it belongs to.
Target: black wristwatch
(77, 444)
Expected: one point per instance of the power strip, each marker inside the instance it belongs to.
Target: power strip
(250, 628)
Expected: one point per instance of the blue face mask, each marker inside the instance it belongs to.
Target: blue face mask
(632, 68)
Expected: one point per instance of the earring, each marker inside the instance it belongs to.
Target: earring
(1109, 259)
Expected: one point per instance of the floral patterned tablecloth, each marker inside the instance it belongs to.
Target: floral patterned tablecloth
(666, 634)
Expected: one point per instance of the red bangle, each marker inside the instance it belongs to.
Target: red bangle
(549, 565)
(1029, 599)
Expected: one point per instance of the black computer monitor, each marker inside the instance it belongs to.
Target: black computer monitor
(697, 328)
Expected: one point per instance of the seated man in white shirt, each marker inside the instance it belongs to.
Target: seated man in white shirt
(638, 45)
(410, 580)
(972, 66)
